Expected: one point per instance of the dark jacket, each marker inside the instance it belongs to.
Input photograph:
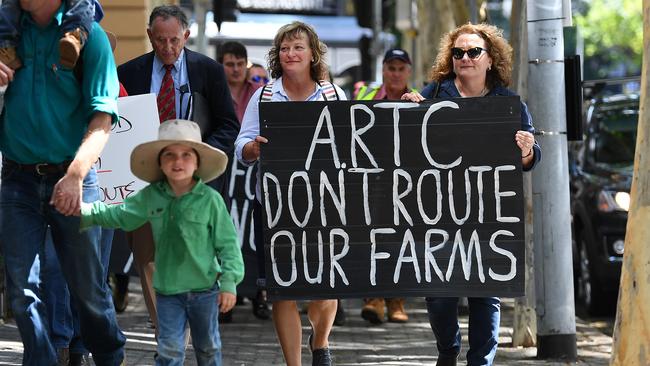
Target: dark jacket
(206, 77)
(447, 89)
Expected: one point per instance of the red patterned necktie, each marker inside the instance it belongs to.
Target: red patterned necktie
(167, 96)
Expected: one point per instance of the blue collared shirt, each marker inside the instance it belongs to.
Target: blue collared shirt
(250, 126)
(179, 75)
(46, 110)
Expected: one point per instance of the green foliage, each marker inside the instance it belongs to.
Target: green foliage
(613, 35)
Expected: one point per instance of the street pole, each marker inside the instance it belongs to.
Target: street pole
(556, 326)
(631, 336)
(524, 324)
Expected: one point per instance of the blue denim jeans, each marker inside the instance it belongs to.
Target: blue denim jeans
(80, 13)
(484, 317)
(65, 331)
(201, 311)
(25, 213)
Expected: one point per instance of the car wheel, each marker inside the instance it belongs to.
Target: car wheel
(590, 293)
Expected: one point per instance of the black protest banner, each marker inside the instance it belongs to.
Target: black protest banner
(383, 199)
(241, 193)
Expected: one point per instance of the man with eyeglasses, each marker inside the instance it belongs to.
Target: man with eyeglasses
(257, 75)
(234, 58)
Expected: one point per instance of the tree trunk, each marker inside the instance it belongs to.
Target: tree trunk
(435, 18)
(632, 329)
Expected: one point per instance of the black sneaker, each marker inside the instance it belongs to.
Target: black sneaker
(321, 357)
(260, 306)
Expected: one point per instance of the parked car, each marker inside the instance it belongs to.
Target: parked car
(601, 169)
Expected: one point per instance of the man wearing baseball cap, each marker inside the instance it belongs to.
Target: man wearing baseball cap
(396, 71)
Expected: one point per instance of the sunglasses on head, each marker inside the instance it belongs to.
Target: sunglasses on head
(473, 53)
(258, 79)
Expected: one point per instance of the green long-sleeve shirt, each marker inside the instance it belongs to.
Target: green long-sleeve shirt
(196, 242)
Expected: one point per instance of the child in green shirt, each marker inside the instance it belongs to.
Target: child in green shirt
(198, 258)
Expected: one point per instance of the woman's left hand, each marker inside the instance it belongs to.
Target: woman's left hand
(525, 140)
(413, 97)
(226, 301)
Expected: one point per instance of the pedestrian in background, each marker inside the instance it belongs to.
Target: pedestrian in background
(257, 75)
(234, 58)
(297, 63)
(396, 72)
(198, 260)
(474, 60)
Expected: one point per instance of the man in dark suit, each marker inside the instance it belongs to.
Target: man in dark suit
(192, 72)
(173, 73)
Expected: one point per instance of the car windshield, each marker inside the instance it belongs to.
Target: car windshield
(616, 137)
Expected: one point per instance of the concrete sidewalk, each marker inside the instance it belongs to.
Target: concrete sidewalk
(248, 341)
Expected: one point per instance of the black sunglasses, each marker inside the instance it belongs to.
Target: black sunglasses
(473, 53)
(257, 79)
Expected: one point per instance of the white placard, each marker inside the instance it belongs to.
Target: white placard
(138, 123)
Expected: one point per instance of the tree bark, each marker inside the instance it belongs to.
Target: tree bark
(632, 328)
(435, 18)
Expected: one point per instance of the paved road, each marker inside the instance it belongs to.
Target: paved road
(251, 342)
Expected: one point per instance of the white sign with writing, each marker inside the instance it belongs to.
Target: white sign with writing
(138, 123)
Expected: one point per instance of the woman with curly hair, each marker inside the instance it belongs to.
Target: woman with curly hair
(297, 64)
(474, 60)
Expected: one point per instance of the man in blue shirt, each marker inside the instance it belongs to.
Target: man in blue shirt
(53, 127)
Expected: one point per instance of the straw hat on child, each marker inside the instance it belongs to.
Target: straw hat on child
(145, 162)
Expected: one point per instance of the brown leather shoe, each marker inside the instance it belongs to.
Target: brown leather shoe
(373, 310)
(8, 57)
(70, 47)
(396, 312)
